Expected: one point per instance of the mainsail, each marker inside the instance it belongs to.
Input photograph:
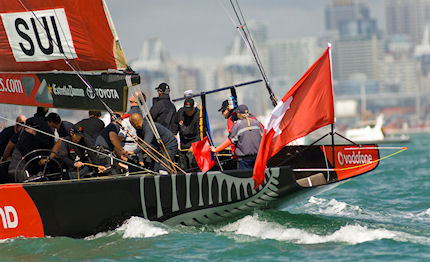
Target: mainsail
(63, 54)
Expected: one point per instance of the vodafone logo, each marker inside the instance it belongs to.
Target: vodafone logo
(9, 217)
(354, 158)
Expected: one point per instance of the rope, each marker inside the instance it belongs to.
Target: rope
(73, 143)
(75, 67)
(149, 152)
(372, 162)
(142, 102)
(146, 150)
(352, 167)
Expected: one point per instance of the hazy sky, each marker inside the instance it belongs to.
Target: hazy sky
(202, 28)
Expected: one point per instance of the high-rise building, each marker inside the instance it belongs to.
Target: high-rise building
(288, 61)
(351, 18)
(357, 56)
(407, 17)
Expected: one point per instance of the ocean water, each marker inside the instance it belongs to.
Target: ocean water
(380, 216)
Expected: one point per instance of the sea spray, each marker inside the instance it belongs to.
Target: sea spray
(137, 227)
(256, 228)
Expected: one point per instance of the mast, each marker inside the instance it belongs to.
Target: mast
(244, 32)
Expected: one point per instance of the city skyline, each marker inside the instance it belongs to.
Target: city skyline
(203, 29)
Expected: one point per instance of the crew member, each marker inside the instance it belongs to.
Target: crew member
(109, 138)
(144, 131)
(92, 125)
(74, 157)
(228, 111)
(8, 133)
(8, 138)
(63, 127)
(187, 123)
(40, 136)
(128, 142)
(246, 135)
(41, 140)
(163, 110)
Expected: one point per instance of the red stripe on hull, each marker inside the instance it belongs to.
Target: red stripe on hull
(18, 213)
(351, 160)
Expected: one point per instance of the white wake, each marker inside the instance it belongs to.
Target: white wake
(135, 227)
(252, 228)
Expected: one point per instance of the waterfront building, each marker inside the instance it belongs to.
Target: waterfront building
(407, 17)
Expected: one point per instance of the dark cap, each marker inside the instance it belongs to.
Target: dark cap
(242, 109)
(188, 104)
(77, 129)
(162, 87)
(224, 106)
(31, 122)
(53, 117)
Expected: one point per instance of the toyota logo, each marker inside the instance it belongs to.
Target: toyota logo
(91, 93)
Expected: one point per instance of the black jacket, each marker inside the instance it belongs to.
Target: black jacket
(28, 142)
(92, 126)
(188, 127)
(5, 136)
(163, 111)
(148, 136)
(69, 152)
(64, 129)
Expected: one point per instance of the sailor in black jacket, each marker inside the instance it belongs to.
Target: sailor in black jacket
(187, 123)
(32, 139)
(74, 157)
(163, 110)
(92, 125)
(144, 131)
(55, 122)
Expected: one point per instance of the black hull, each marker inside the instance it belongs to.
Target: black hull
(80, 208)
(86, 207)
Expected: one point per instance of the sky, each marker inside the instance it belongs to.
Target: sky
(201, 28)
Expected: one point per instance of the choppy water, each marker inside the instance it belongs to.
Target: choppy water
(380, 216)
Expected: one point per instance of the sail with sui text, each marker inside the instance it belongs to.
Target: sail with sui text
(63, 54)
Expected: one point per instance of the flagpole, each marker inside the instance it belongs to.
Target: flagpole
(332, 145)
(332, 125)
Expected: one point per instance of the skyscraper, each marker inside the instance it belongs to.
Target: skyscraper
(351, 18)
(359, 47)
(407, 17)
(355, 56)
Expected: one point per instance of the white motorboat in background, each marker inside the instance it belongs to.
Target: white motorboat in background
(372, 132)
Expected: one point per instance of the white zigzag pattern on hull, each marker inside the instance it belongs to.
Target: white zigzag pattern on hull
(227, 209)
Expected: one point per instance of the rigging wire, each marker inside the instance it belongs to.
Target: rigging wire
(141, 101)
(246, 36)
(76, 68)
(71, 63)
(351, 167)
(250, 40)
(76, 144)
